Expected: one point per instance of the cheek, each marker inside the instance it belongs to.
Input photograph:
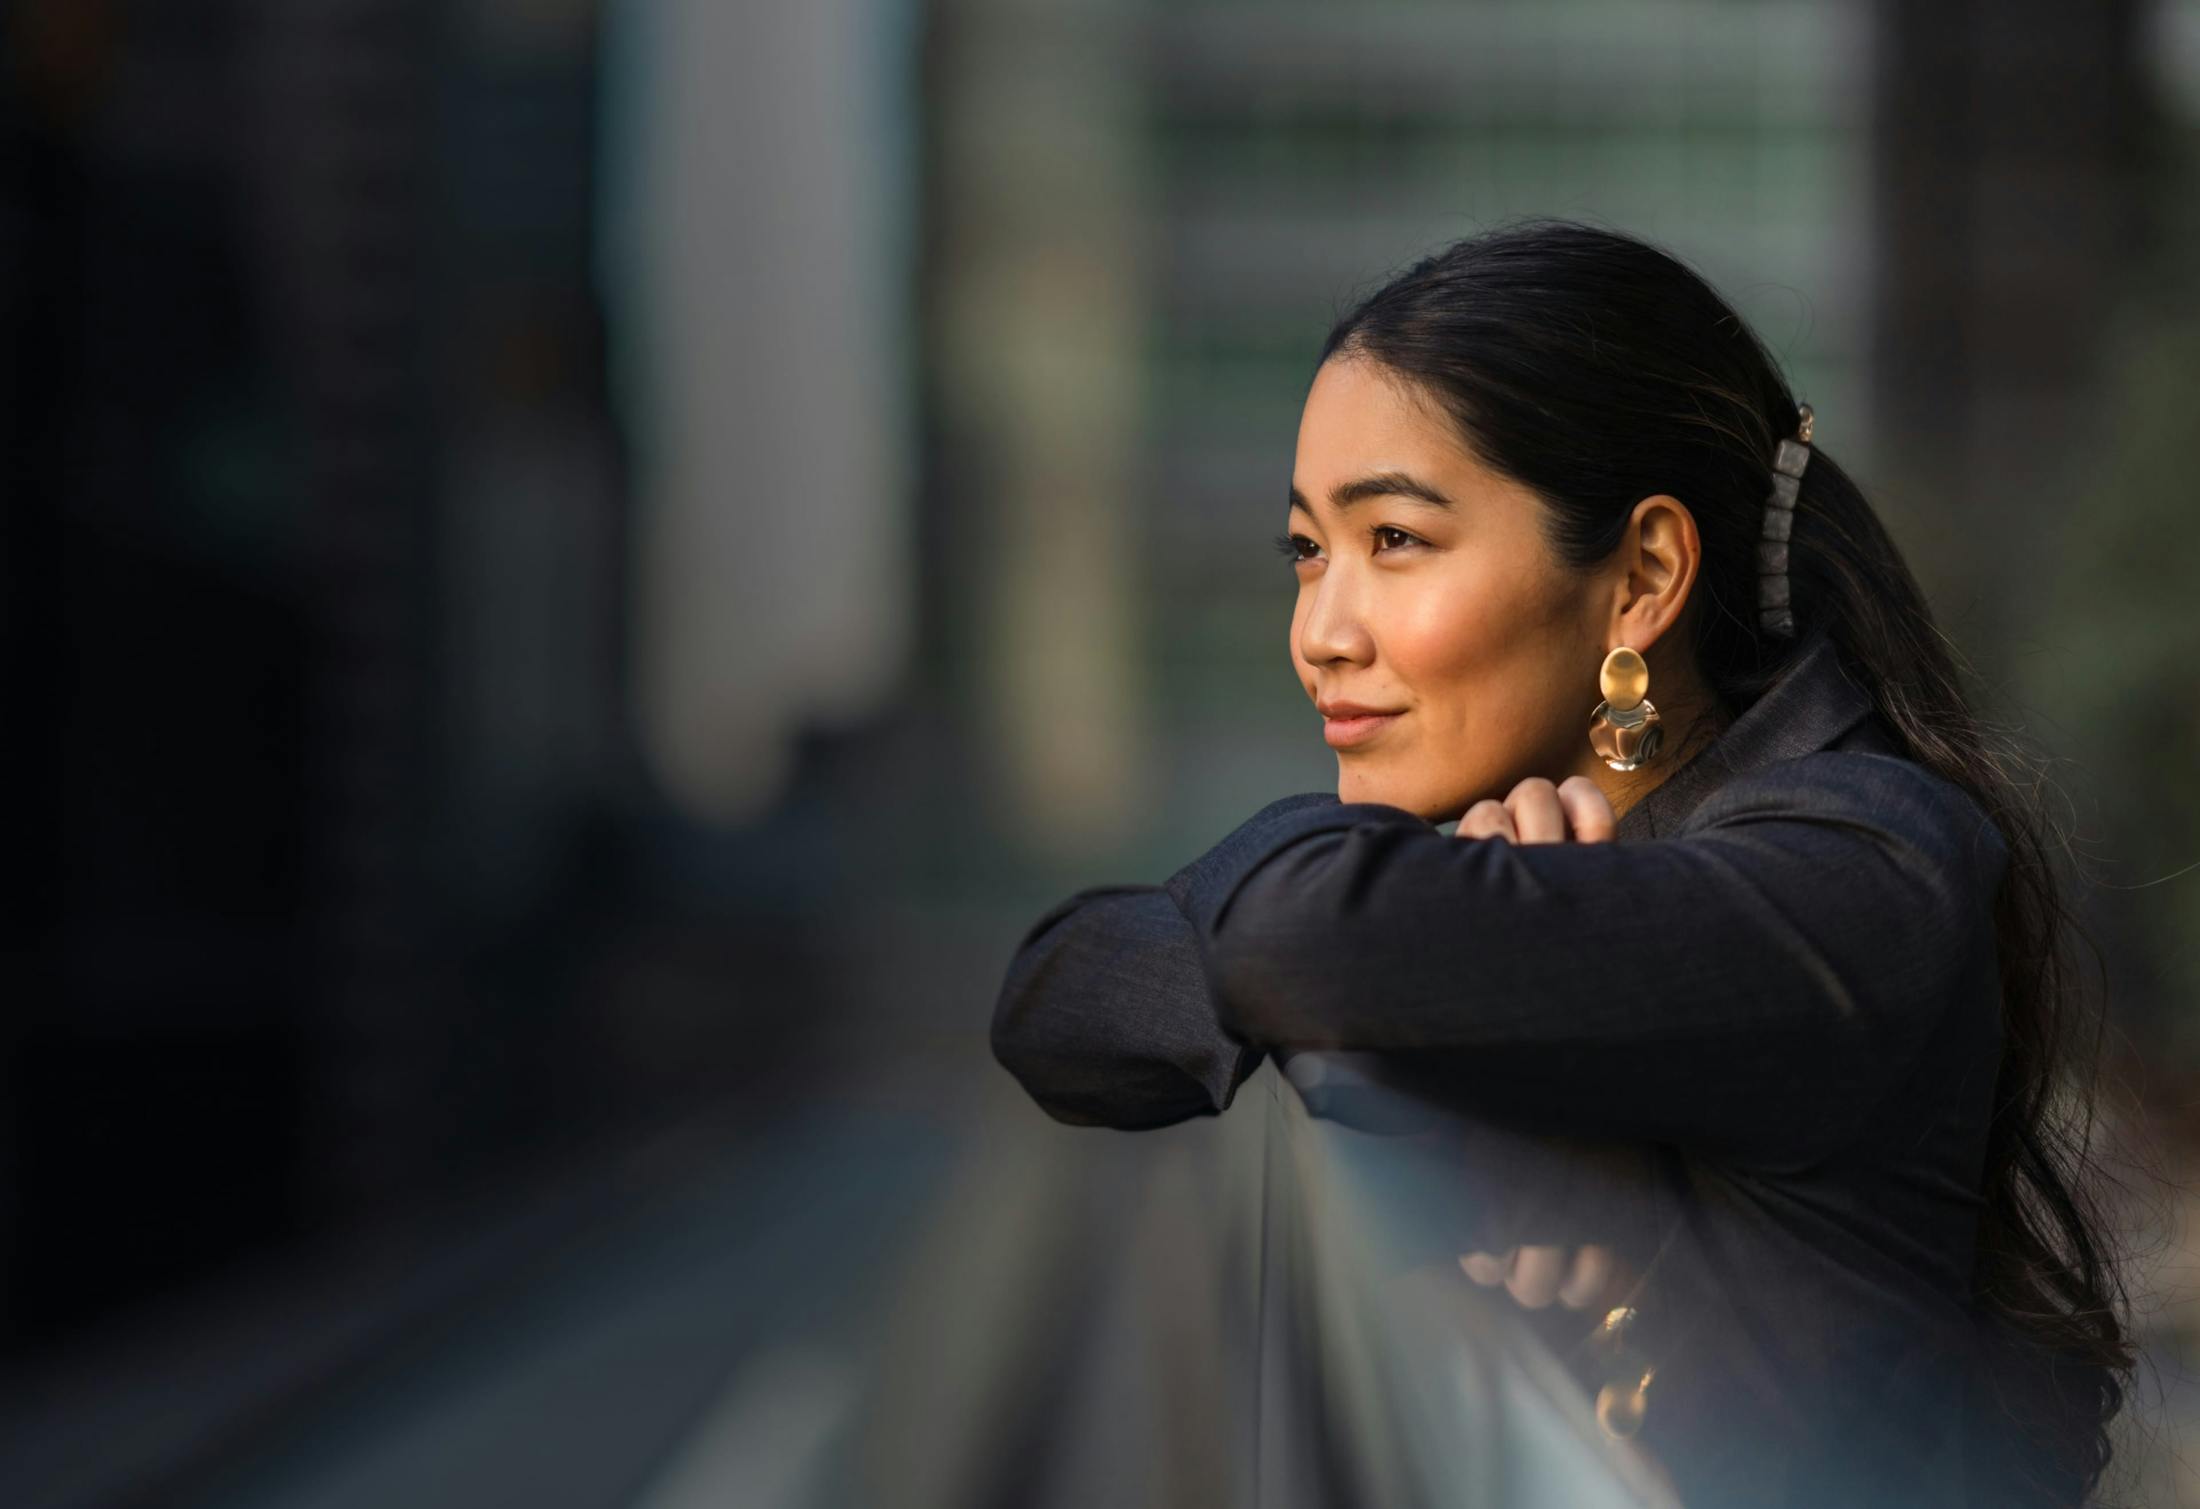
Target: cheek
(1486, 662)
(1467, 636)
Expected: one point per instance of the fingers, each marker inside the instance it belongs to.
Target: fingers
(1488, 818)
(1487, 1268)
(1588, 809)
(1539, 812)
(1588, 1279)
(1534, 1276)
(1536, 814)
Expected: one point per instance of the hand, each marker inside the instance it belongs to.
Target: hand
(1538, 812)
(1586, 1277)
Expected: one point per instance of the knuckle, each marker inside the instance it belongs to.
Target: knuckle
(1580, 788)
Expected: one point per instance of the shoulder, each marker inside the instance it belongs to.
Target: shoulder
(1887, 799)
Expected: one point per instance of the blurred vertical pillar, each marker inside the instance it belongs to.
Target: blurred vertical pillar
(1037, 287)
(2008, 144)
(753, 238)
(531, 560)
(339, 199)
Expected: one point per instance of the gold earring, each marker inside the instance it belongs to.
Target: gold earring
(1620, 1410)
(1625, 1397)
(1624, 727)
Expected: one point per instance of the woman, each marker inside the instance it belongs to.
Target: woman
(1737, 877)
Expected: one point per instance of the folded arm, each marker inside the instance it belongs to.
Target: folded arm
(1105, 1016)
(1754, 984)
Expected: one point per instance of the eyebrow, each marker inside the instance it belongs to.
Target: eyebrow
(1380, 485)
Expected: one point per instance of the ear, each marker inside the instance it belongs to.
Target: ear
(1658, 558)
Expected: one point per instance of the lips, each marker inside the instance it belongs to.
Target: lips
(1342, 731)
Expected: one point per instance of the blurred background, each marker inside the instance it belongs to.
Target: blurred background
(573, 573)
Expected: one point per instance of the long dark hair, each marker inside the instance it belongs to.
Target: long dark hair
(1598, 369)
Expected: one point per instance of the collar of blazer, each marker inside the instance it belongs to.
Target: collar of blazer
(1812, 704)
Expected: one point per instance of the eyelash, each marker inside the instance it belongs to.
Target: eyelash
(1287, 545)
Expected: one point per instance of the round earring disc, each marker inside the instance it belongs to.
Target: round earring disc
(1625, 677)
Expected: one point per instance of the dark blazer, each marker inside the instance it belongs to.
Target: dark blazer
(1777, 991)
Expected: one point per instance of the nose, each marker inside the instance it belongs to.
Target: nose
(1335, 625)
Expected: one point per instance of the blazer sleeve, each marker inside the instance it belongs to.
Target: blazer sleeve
(1104, 1014)
(1754, 984)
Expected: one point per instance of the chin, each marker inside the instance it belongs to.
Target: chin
(1357, 788)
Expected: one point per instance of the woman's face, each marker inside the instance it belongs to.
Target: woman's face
(1447, 611)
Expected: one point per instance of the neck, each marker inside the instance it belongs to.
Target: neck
(1690, 718)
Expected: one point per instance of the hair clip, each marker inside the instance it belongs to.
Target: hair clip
(1775, 615)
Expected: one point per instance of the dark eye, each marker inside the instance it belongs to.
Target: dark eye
(1381, 530)
(1288, 546)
